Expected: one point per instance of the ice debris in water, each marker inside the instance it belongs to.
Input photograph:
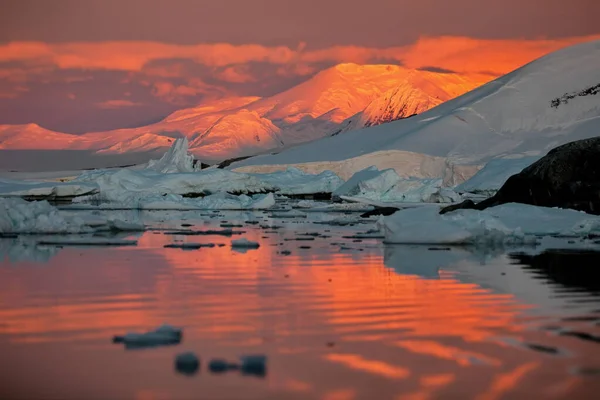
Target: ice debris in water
(249, 365)
(218, 366)
(254, 365)
(245, 244)
(20, 216)
(187, 363)
(508, 224)
(164, 335)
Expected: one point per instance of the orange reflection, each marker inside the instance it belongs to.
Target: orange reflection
(461, 357)
(316, 305)
(505, 382)
(376, 367)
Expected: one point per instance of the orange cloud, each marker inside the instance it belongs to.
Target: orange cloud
(236, 74)
(455, 53)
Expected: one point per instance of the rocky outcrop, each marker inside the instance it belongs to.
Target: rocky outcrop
(567, 177)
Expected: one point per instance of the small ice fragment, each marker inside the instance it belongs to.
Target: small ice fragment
(244, 243)
(164, 335)
(254, 365)
(219, 366)
(187, 363)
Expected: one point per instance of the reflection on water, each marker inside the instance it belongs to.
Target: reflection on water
(342, 319)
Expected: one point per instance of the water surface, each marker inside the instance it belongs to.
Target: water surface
(341, 318)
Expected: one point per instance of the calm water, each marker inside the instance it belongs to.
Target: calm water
(344, 319)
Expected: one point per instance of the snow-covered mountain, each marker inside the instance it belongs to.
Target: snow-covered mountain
(548, 102)
(417, 93)
(344, 97)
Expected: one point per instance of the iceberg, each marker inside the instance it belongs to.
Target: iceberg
(294, 181)
(508, 223)
(20, 216)
(494, 174)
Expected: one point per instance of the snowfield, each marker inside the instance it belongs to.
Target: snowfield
(509, 117)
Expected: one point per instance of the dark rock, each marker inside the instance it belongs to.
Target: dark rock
(380, 211)
(567, 177)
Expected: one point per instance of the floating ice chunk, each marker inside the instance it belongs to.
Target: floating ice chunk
(254, 365)
(164, 335)
(119, 225)
(508, 223)
(189, 246)
(87, 241)
(187, 363)
(244, 243)
(218, 366)
(20, 216)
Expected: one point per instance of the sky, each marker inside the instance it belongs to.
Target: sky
(77, 66)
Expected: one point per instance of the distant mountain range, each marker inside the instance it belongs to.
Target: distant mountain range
(339, 99)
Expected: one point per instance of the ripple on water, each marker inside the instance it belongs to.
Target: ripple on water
(340, 318)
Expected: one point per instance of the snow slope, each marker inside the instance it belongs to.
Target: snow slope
(511, 115)
(417, 93)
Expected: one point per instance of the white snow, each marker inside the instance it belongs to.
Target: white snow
(219, 201)
(293, 181)
(176, 159)
(495, 173)
(20, 216)
(513, 222)
(245, 244)
(367, 182)
(388, 187)
(507, 117)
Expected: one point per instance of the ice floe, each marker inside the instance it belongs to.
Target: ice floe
(187, 363)
(244, 243)
(164, 335)
(512, 223)
(20, 216)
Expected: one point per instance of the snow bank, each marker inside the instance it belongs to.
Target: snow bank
(293, 181)
(494, 174)
(20, 216)
(176, 159)
(516, 223)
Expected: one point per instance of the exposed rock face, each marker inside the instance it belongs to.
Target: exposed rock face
(567, 177)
